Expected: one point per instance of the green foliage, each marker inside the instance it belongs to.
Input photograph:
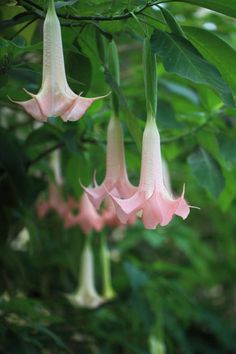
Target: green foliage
(174, 285)
(180, 57)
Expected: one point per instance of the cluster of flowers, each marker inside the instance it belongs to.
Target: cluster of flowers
(151, 199)
(88, 219)
(81, 213)
(122, 202)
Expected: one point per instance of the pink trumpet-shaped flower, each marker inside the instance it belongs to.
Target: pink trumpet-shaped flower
(55, 202)
(110, 217)
(88, 218)
(116, 179)
(152, 198)
(55, 97)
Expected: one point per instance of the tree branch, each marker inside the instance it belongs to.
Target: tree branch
(46, 152)
(39, 11)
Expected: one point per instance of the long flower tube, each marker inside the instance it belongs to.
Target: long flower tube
(116, 179)
(152, 199)
(55, 97)
(86, 295)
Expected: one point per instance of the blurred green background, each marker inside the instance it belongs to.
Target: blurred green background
(175, 285)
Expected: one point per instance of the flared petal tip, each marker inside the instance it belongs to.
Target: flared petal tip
(96, 195)
(183, 209)
(78, 108)
(32, 108)
(90, 302)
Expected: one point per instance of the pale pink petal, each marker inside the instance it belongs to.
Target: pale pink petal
(78, 107)
(89, 218)
(32, 107)
(182, 209)
(70, 220)
(90, 222)
(151, 215)
(125, 188)
(128, 207)
(96, 195)
(42, 209)
(165, 209)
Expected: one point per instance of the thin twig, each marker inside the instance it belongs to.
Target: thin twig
(46, 152)
(35, 8)
(22, 29)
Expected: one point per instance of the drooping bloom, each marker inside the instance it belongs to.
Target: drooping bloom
(86, 295)
(88, 218)
(110, 217)
(54, 202)
(116, 179)
(55, 97)
(151, 198)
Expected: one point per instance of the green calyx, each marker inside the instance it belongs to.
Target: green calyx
(51, 6)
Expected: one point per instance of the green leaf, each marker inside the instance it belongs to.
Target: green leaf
(166, 116)
(228, 148)
(136, 277)
(180, 57)
(216, 51)
(227, 7)
(207, 172)
(171, 21)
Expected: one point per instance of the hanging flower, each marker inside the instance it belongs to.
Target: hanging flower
(116, 179)
(152, 198)
(110, 217)
(54, 202)
(88, 218)
(86, 295)
(55, 97)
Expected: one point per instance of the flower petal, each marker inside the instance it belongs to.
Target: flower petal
(32, 107)
(126, 208)
(151, 215)
(182, 209)
(78, 107)
(96, 195)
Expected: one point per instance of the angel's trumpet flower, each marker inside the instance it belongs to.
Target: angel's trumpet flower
(152, 197)
(116, 179)
(88, 218)
(54, 202)
(55, 97)
(86, 295)
(110, 217)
